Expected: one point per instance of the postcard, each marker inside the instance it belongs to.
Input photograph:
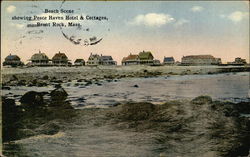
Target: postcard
(125, 79)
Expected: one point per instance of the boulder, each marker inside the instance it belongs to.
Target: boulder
(10, 117)
(46, 77)
(136, 86)
(58, 94)
(5, 88)
(32, 98)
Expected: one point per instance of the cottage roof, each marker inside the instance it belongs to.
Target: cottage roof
(145, 54)
(130, 57)
(106, 58)
(94, 56)
(39, 56)
(199, 57)
(60, 56)
(168, 59)
(12, 57)
(79, 60)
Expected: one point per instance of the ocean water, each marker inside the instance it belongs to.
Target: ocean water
(89, 136)
(232, 87)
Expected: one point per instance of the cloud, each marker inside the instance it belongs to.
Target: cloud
(17, 25)
(237, 16)
(11, 9)
(197, 9)
(181, 22)
(152, 20)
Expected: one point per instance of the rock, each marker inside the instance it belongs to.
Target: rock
(41, 84)
(8, 105)
(136, 86)
(98, 84)
(21, 83)
(57, 81)
(88, 83)
(58, 94)
(10, 116)
(82, 99)
(46, 77)
(58, 86)
(32, 98)
(202, 100)
(109, 80)
(5, 88)
(79, 80)
(34, 82)
(76, 84)
(13, 78)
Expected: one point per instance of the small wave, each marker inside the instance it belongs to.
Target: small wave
(93, 106)
(40, 137)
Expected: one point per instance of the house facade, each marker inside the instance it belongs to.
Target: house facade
(107, 60)
(200, 60)
(39, 59)
(146, 57)
(238, 61)
(93, 60)
(60, 59)
(131, 59)
(168, 61)
(143, 58)
(12, 60)
(79, 62)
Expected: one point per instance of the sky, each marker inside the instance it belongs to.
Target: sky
(166, 28)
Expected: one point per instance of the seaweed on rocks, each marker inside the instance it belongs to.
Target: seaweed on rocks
(36, 115)
(197, 127)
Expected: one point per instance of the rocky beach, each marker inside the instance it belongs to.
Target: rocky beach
(201, 111)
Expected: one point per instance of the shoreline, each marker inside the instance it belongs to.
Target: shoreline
(67, 74)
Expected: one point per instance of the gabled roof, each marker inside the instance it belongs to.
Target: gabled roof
(94, 56)
(106, 58)
(60, 56)
(12, 57)
(79, 60)
(39, 56)
(168, 59)
(130, 57)
(199, 57)
(145, 54)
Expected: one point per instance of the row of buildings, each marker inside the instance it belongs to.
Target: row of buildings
(143, 58)
(59, 59)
